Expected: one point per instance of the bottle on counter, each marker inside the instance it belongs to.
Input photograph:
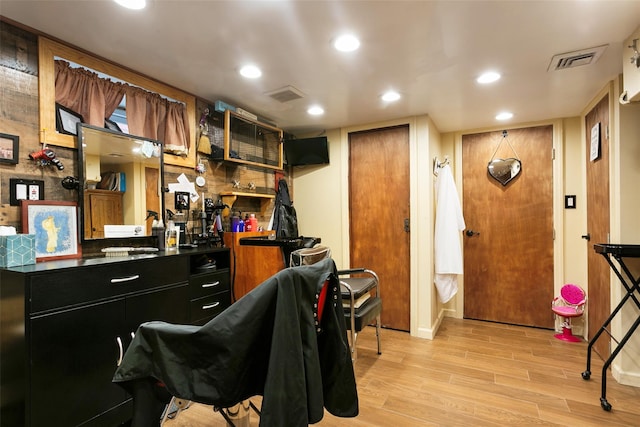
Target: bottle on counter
(235, 222)
(253, 221)
(157, 229)
(171, 236)
(247, 223)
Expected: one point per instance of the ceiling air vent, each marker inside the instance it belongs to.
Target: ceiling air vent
(286, 94)
(576, 58)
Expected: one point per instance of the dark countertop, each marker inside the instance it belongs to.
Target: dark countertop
(101, 260)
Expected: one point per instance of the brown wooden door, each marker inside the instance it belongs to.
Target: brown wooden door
(151, 179)
(105, 208)
(508, 265)
(598, 298)
(378, 208)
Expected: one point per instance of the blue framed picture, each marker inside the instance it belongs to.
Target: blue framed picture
(55, 225)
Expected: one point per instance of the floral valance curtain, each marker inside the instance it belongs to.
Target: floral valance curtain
(148, 114)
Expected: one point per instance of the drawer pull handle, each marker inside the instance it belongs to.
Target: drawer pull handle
(125, 279)
(120, 350)
(210, 306)
(210, 285)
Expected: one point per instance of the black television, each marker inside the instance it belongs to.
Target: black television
(306, 151)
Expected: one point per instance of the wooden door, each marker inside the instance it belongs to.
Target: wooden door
(598, 297)
(105, 208)
(508, 261)
(152, 197)
(378, 209)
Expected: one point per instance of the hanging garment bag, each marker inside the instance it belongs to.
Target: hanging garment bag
(285, 222)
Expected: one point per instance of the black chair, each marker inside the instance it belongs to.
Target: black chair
(285, 340)
(360, 293)
(361, 302)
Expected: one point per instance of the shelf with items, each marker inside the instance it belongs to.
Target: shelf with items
(250, 142)
(230, 197)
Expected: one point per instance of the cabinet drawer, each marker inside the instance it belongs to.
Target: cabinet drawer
(208, 283)
(61, 288)
(209, 307)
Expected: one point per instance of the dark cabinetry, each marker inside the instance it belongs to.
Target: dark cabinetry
(209, 287)
(79, 317)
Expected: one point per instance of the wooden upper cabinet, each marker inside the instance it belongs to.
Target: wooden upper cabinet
(49, 51)
(252, 143)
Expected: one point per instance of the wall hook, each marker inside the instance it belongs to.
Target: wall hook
(437, 164)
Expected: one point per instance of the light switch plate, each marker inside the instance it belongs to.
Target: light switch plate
(570, 201)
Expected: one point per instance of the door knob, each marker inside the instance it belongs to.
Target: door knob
(471, 233)
(586, 237)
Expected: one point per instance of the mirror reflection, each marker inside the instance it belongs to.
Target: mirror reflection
(504, 170)
(120, 183)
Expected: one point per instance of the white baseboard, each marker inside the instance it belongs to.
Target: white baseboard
(625, 378)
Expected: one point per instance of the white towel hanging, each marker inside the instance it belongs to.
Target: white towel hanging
(447, 247)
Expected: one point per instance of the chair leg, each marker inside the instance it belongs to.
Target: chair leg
(237, 415)
(354, 349)
(567, 334)
(378, 333)
(173, 408)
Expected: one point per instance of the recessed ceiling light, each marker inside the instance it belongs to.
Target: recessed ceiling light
(391, 96)
(505, 115)
(132, 4)
(488, 77)
(315, 110)
(250, 71)
(347, 43)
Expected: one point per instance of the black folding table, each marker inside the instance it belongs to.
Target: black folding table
(632, 285)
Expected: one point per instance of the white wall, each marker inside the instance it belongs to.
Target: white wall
(316, 194)
(625, 226)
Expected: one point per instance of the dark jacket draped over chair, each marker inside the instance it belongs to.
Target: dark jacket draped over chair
(268, 343)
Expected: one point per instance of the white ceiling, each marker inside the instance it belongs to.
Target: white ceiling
(429, 51)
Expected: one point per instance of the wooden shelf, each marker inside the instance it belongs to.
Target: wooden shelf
(230, 197)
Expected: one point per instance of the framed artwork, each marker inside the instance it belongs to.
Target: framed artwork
(55, 225)
(9, 148)
(67, 120)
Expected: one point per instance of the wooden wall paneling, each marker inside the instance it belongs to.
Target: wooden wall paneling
(19, 116)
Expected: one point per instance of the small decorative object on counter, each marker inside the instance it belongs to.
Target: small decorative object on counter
(17, 249)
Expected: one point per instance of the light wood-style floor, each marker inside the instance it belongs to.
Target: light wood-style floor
(472, 374)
